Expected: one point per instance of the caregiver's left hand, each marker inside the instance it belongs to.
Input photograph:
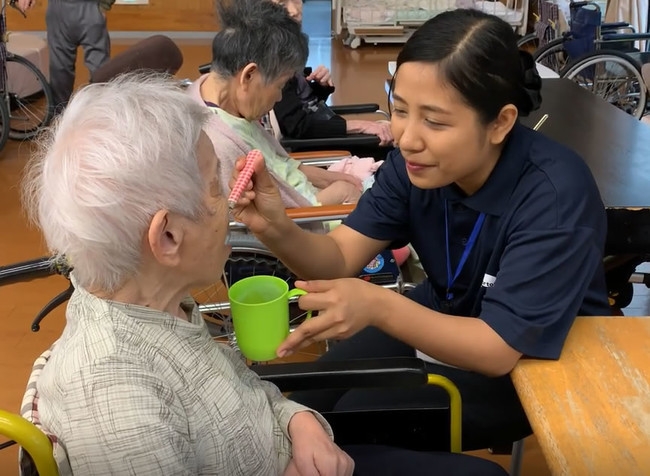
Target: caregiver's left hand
(345, 307)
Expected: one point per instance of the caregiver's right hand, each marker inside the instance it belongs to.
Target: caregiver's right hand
(260, 206)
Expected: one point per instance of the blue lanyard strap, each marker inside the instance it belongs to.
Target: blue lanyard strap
(468, 249)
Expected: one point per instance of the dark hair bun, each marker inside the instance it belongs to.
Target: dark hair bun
(531, 84)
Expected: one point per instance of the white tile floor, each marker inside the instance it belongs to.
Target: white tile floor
(640, 305)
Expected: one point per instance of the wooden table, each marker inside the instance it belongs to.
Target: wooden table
(590, 410)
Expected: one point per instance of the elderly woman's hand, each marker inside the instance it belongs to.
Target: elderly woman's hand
(322, 76)
(314, 452)
(260, 206)
(380, 129)
(24, 5)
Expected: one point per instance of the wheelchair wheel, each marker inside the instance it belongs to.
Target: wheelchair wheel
(529, 43)
(613, 76)
(4, 125)
(248, 257)
(552, 55)
(29, 98)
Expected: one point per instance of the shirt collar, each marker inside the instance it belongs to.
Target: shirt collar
(188, 305)
(493, 197)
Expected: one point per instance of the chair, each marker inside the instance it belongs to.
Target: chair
(156, 53)
(350, 142)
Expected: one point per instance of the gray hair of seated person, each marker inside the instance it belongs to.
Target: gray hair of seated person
(260, 32)
(120, 152)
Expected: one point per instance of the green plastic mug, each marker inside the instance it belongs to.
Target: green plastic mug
(259, 307)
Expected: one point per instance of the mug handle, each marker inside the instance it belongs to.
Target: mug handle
(299, 292)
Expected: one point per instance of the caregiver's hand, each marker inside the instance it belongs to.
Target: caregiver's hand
(345, 306)
(260, 205)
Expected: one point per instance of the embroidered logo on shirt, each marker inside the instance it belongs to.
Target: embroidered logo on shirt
(488, 280)
(375, 265)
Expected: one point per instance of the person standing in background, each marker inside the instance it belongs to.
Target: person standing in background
(70, 24)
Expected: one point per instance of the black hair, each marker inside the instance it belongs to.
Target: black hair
(477, 55)
(260, 32)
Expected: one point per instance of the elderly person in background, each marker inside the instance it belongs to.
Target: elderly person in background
(302, 112)
(125, 187)
(258, 49)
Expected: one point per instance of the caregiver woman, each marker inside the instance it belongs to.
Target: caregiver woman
(509, 227)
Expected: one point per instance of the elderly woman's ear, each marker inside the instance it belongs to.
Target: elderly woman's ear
(248, 74)
(165, 238)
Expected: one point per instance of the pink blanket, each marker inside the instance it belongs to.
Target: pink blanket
(362, 168)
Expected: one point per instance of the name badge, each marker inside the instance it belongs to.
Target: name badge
(488, 281)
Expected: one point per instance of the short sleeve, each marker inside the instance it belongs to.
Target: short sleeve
(543, 278)
(383, 211)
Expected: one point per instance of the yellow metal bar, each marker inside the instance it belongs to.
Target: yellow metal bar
(33, 440)
(455, 409)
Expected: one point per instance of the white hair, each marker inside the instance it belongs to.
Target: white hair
(120, 152)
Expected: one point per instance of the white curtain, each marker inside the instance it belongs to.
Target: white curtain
(634, 12)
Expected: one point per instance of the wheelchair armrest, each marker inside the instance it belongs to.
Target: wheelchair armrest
(365, 373)
(352, 140)
(310, 214)
(625, 37)
(319, 154)
(205, 68)
(327, 212)
(615, 25)
(355, 109)
(320, 158)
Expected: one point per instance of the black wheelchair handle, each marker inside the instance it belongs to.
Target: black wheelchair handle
(205, 68)
(27, 271)
(582, 4)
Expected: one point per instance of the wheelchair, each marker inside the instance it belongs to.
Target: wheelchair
(601, 57)
(416, 429)
(411, 429)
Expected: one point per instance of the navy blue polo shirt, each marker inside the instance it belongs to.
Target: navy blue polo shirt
(537, 261)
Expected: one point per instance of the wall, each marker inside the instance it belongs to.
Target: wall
(159, 15)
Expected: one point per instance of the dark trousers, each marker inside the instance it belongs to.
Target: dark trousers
(383, 461)
(492, 413)
(70, 24)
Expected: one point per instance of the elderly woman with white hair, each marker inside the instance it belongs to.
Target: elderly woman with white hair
(125, 186)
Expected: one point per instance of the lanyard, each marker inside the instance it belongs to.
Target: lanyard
(468, 249)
